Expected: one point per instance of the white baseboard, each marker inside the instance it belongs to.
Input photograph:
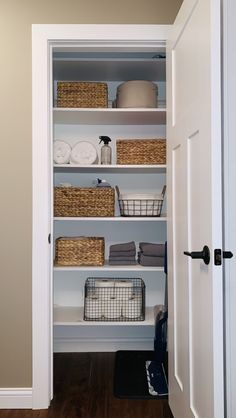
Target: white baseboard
(15, 398)
(73, 345)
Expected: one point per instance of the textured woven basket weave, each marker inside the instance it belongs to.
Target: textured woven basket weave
(141, 151)
(79, 251)
(79, 201)
(81, 94)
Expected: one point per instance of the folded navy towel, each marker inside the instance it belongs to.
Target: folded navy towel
(126, 246)
(122, 253)
(146, 260)
(147, 248)
(122, 263)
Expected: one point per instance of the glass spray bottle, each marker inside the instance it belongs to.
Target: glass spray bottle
(105, 150)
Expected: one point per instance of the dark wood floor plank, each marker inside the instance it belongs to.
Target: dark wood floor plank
(71, 385)
(83, 388)
(101, 374)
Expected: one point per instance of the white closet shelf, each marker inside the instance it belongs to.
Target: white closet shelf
(110, 116)
(113, 219)
(73, 316)
(136, 267)
(156, 168)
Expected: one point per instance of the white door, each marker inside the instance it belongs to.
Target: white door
(194, 204)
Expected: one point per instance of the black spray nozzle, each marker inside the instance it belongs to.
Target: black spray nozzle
(104, 139)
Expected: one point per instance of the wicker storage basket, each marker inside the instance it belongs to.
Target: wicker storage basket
(141, 151)
(79, 201)
(81, 94)
(79, 251)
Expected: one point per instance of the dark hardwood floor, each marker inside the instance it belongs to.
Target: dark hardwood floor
(83, 388)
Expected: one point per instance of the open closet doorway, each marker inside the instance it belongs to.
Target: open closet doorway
(92, 55)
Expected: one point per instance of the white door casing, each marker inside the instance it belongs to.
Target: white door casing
(44, 38)
(229, 69)
(195, 212)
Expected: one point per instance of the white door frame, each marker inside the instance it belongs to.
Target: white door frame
(229, 87)
(44, 38)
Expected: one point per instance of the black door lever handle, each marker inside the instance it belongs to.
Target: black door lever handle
(227, 254)
(204, 254)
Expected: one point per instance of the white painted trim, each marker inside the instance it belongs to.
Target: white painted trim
(229, 85)
(217, 198)
(110, 35)
(41, 289)
(104, 37)
(83, 345)
(15, 398)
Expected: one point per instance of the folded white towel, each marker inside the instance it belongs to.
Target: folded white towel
(61, 152)
(83, 153)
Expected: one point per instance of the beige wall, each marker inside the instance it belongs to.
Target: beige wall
(16, 17)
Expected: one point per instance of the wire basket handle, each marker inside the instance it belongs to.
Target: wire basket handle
(163, 191)
(117, 191)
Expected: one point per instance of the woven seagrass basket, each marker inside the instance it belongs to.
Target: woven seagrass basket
(87, 201)
(79, 251)
(141, 151)
(82, 94)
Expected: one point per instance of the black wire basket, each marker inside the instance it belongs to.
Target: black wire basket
(141, 207)
(110, 300)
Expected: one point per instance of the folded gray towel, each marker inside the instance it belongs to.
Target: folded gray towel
(118, 258)
(150, 261)
(147, 248)
(126, 246)
(122, 263)
(122, 253)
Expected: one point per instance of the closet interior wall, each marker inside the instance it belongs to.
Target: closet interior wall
(71, 333)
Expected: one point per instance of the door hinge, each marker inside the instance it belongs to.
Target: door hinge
(49, 238)
(219, 254)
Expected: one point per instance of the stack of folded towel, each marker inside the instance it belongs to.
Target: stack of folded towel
(83, 152)
(121, 254)
(61, 152)
(151, 254)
